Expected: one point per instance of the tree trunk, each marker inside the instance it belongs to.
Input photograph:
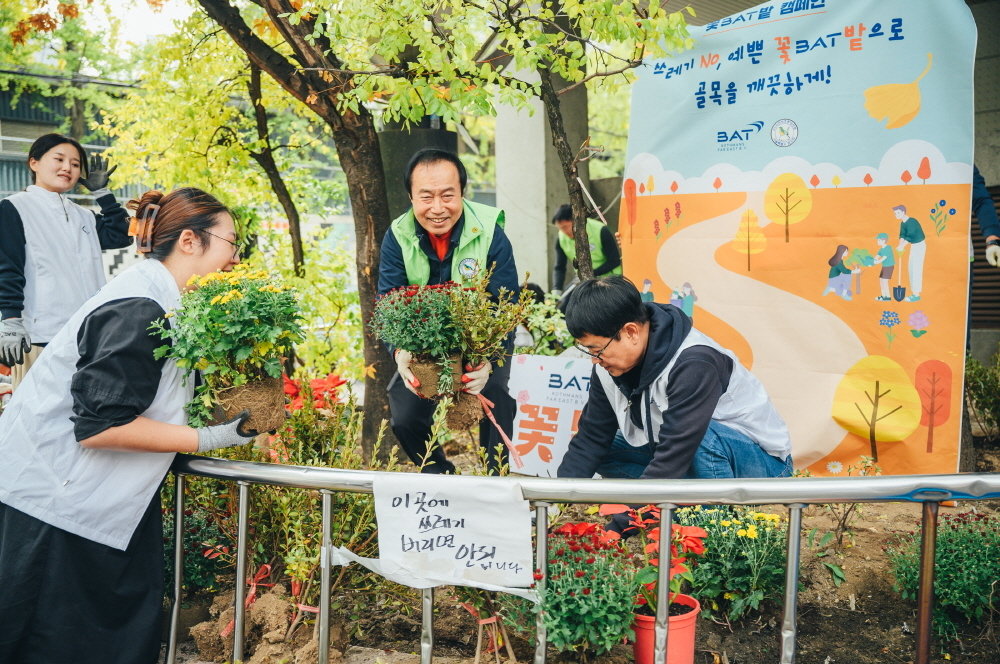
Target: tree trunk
(265, 158)
(357, 148)
(550, 100)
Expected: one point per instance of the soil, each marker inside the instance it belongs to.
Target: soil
(862, 621)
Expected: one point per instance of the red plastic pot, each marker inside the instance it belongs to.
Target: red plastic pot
(680, 644)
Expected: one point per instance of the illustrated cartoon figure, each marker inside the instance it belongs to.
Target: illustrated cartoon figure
(911, 233)
(887, 259)
(647, 291)
(839, 281)
(688, 298)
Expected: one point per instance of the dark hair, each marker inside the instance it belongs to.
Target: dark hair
(563, 213)
(602, 307)
(836, 258)
(184, 208)
(45, 143)
(537, 294)
(433, 156)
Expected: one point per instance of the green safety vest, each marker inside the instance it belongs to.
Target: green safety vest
(597, 257)
(469, 257)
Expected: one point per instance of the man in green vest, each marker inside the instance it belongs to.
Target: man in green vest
(604, 253)
(441, 238)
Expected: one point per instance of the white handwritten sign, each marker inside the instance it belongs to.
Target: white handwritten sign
(454, 530)
(550, 393)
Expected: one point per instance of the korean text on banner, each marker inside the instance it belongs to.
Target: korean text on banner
(467, 531)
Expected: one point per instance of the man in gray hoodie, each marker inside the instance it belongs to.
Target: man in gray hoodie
(683, 404)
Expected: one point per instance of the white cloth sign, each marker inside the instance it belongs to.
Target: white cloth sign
(454, 530)
(550, 393)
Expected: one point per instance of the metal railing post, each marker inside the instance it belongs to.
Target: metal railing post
(241, 569)
(324, 592)
(788, 622)
(925, 590)
(427, 627)
(661, 629)
(175, 610)
(542, 567)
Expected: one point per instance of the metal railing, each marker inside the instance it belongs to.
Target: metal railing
(795, 493)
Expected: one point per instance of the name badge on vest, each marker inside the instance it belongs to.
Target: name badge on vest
(468, 268)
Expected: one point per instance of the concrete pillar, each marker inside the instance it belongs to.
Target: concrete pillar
(530, 181)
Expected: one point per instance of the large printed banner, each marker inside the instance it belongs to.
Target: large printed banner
(800, 184)
(550, 393)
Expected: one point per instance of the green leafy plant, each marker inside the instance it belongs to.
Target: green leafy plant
(982, 389)
(966, 569)
(484, 320)
(547, 326)
(846, 514)
(285, 537)
(233, 328)
(588, 601)
(745, 565)
(207, 550)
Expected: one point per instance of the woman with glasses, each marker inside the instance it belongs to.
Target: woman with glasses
(86, 441)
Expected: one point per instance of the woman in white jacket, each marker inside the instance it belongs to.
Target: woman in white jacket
(86, 441)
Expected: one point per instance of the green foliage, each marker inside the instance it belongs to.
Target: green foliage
(484, 321)
(207, 550)
(328, 299)
(418, 319)
(744, 562)
(286, 524)
(234, 327)
(548, 328)
(589, 595)
(966, 569)
(982, 389)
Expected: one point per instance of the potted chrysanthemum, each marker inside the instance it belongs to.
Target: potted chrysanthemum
(234, 328)
(447, 327)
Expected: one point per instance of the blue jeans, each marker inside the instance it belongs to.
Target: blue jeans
(723, 453)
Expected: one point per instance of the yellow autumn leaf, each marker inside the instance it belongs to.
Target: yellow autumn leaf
(897, 103)
(370, 371)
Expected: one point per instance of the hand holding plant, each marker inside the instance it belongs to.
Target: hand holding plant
(234, 328)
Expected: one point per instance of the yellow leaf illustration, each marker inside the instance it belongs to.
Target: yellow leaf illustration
(897, 103)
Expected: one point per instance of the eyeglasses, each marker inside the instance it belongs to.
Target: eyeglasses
(236, 246)
(598, 354)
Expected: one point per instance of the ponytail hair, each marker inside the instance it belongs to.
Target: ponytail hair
(161, 218)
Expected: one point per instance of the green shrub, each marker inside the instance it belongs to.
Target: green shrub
(207, 550)
(744, 561)
(548, 328)
(966, 569)
(982, 387)
(588, 604)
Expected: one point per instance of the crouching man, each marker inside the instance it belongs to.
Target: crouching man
(685, 407)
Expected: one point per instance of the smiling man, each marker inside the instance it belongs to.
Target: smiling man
(444, 237)
(684, 405)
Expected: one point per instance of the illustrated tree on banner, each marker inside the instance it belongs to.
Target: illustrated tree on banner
(934, 386)
(876, 400)
(787, 201)
(749, 238)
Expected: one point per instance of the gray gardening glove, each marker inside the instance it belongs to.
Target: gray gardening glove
(227, 434)
(14, 341)
(97, 176)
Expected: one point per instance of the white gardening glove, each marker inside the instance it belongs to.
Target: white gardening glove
(474, 380)
(403, 359)
(14, 341)
(227, 434)
(993, 255)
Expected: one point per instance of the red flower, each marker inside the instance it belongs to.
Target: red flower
(578, 573)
